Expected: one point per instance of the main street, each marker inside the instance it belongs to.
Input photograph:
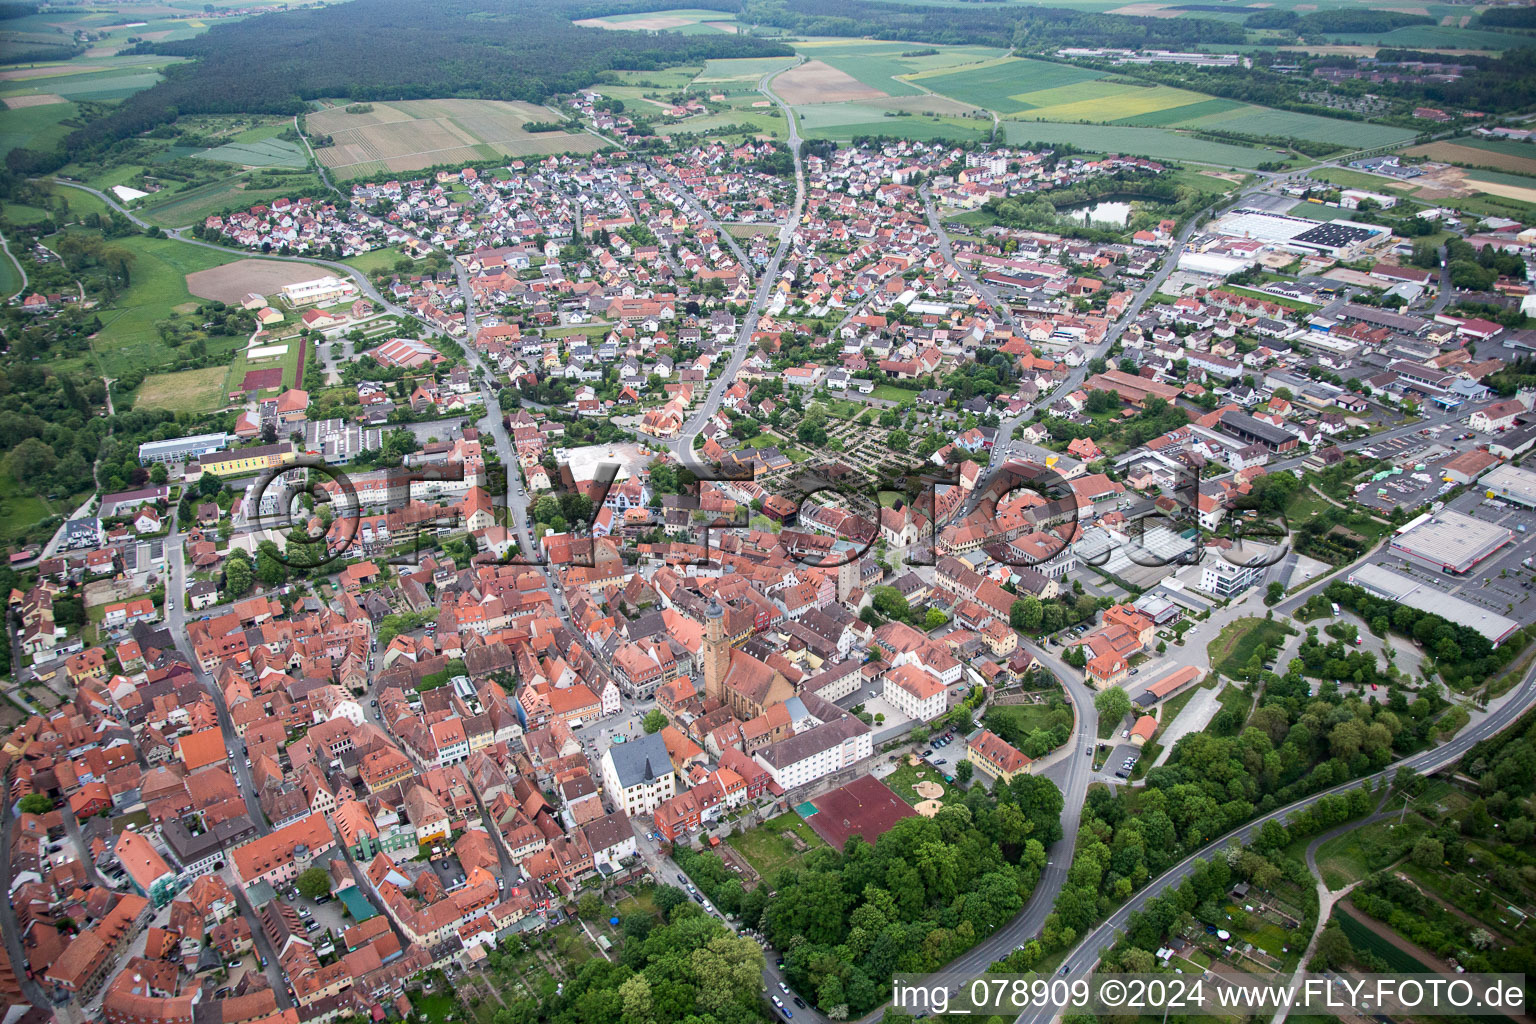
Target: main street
(682, 445)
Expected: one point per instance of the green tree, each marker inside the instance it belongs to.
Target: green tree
(1026, 613)
(238, 577)
(655, 720)
(30, 463)
(1428, 852)
(313, 883)
(1112, 703)
(35, 803)
(963, 771)
(934, 619)
(590, 905)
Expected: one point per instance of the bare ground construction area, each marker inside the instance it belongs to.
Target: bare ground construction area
(234, 281)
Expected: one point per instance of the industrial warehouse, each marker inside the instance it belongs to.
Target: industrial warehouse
(1449, 541)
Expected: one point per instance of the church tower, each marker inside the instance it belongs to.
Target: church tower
(716, 653)
(847, 572)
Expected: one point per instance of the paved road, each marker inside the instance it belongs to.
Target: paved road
(682, 445)
(176, 623)
(1501, 714)
(947, 249)
(5, 247)
(365, 287)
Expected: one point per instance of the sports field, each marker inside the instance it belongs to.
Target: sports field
(412, 134)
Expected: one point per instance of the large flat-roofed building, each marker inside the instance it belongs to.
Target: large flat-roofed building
(183, 449)
(1340, 239)
(321, 290)
(1510, 483)
(1256, 431)
(1388, 585)
(1449, 541)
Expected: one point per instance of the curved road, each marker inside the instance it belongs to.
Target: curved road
(5, 247)
(1085, 954)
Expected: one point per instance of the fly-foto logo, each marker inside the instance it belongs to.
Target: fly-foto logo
(1021, 514)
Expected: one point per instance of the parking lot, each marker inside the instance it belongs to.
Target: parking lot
(1413, 486)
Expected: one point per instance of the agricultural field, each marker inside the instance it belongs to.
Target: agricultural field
(263, 153)
(735, 69)
(1001, 85)
(37, 126)
(1155, 143)
(1035, 90)
(84, 81)
(129, 338)
(232, 282)
(907, 127)
(1507, 147)
(413, 134)
(767, 121)
(882, 64)
(1254, 120)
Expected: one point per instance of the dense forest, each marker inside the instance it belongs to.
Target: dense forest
(383, 50)
(1038, 28)
(1334, 22)
(925, 892)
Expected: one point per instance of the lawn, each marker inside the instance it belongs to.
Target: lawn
(434, 1006)
(10, 278)
(1235, 645)
(129, 339)
(1013, 722)
(892, 393)
(190, 391)
(1360, 179)
(1362, 851)
(21, 510)
(376, 259)
(766, 848)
